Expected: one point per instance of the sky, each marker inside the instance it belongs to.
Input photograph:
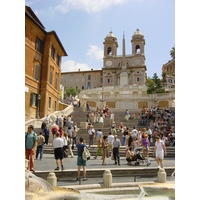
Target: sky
(82, 25)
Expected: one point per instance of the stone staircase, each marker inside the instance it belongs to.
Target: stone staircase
(79, 116)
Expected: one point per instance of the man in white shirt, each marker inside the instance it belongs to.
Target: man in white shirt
(116, 146)
(47, 120)
(112, 115)
(91, 133)
(58, 150)
(134, 132)
(110, 143)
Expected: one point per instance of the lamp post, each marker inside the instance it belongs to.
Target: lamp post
(38, 110)
(102, 93)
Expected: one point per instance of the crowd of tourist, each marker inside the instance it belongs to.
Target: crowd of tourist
(159, 130)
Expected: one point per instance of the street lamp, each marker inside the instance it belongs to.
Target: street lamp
(39, 98)
(102, 93)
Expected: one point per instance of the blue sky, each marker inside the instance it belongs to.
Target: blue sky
(82, 26)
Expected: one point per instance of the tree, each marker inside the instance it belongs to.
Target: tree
(72, 91)
(172, 52)
(154, 85)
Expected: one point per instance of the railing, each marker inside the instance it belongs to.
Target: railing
(38, 122)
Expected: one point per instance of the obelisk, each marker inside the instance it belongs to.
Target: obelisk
(124, 74)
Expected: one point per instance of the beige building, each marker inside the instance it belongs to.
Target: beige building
(135, 62)
(133, 65)
(82, 79)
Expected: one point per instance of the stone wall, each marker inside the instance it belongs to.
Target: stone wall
(133, 98)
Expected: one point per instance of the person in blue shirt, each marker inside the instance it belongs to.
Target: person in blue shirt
(80, 162)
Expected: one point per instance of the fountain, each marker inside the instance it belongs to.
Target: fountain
(39, 189)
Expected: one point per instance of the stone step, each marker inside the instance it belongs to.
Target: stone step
(116, 172)
(170, 152)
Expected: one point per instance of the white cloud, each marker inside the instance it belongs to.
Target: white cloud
(70, 66)
(95, 52)
(90, 6)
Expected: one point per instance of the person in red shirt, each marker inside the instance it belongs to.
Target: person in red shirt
(54, 130)
(61, 131)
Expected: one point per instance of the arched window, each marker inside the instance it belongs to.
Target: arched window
(109, 51)
(137, 49)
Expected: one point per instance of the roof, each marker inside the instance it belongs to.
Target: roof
(137, 32)
(58, 40)
(110, 34)
(29, 12)
(31, 15)
(97, 70)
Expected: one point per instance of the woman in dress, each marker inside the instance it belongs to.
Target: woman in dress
(159, 149)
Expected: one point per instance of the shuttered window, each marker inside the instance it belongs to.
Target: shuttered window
(58, 60)
(51, 77)
(33, 100)
(36, 76)
(39, 45)
(56, 86)
(50, 102)
(53, 51)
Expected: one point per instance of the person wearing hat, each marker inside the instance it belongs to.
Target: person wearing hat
(104, 148)
(146, 145)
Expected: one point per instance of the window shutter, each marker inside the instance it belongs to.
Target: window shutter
(31, 99)
(37, 72)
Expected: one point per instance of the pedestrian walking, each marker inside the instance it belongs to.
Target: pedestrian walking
(146, 145)
(30, 145)
(88, 107)
(116, 146)
(58, 150)
(159, 149)
(104, 148)
(43, 126)
(91, 133)
(110, 144)
(65, 145)
(46, 135)
(101, 121)
(70, 141)
(57, 121)
(80, 162)
(40, 143)
(84, 107)
(99, 144)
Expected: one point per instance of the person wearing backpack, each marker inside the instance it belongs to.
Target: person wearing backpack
(80, 161)
(30, 145)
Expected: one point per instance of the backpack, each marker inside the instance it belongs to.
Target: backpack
(86, 154)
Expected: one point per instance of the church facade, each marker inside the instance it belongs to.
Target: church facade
(130, 68)
(114, 64)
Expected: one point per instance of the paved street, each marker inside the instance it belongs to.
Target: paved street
(48, 163)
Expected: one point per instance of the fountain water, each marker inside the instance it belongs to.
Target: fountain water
(40, 189)
(44, 184)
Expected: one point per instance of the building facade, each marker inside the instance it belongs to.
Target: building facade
(135, 62)
(112, 66)
(82, 79)
(169, 69)
(43, 53)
